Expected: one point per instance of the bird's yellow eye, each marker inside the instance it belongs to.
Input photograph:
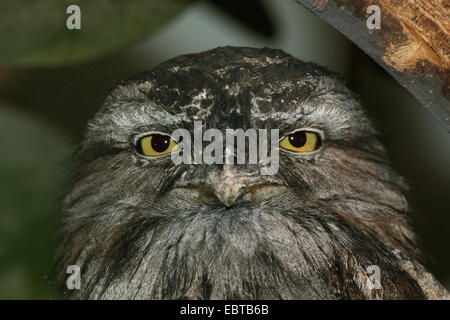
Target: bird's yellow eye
(156, 145)
(301, 141)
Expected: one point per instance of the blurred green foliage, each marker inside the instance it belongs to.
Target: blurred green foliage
(34, 32)
(32, 181)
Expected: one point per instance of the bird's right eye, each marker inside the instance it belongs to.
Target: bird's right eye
(156, 145)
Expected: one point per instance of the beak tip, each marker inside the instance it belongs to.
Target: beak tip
(228, 201)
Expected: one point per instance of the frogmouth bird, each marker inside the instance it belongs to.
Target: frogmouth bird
(331, 222)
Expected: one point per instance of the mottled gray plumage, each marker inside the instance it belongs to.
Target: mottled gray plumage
(146, 228)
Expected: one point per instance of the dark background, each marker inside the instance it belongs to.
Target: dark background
(43, 111)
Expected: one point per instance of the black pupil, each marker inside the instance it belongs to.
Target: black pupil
(160, 143)
(298, 139)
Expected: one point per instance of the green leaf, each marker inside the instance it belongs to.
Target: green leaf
(34, 32)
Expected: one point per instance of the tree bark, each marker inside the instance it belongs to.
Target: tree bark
(413, 43)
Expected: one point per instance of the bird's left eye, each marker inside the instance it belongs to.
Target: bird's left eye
(156, 145)
(301, 141)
